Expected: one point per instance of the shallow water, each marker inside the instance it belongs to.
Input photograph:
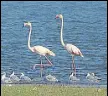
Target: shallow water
(84, 26)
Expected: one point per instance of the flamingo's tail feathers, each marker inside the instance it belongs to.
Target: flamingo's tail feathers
(51, 53)
(82, 56)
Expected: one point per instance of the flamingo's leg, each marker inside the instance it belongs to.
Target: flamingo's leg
(41, 66)
(73, 65)
(48, 61)
(36, 65)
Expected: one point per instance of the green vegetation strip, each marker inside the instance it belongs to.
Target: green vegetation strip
(51, 90)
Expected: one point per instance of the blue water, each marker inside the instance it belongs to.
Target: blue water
(85, 25)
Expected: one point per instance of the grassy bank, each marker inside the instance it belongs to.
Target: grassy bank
(51, 90)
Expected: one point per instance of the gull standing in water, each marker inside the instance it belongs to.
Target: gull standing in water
(73, 78)
(5, 79)
(92, 77)
(51, 78)
(14, 78)
(24, 78)
(97, 78)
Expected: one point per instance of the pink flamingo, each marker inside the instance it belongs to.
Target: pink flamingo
(72, 49)
(42, 51)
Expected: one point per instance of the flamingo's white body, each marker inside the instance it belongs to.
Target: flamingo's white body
(42, 51)
(72, 49)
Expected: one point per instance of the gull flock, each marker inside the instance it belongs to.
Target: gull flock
(24, 79)
(14, 79)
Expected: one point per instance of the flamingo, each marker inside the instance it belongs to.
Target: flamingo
(42, 51)
(72, 49)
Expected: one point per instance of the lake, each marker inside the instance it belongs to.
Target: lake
(85, 26)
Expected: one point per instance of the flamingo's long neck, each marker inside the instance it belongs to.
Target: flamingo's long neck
(62, 42)
(29, 38)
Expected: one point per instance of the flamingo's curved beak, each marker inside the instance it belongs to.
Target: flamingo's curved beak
(24, 24)
(56, 17)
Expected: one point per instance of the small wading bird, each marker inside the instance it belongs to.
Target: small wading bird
(92, 77)
(42, 51)
(51, 78)
(73, 78)
(14, 78)
(5, 79)
(98, 78)
(24, 78)
(72, 49)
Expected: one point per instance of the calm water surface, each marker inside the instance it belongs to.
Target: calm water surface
(84, 26)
